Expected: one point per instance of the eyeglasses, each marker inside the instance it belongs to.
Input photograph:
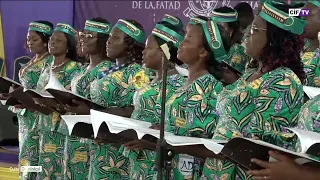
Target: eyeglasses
(253, 29)
(84, 35)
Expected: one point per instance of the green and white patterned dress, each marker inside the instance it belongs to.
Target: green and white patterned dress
(147, 102)
(77, 159)
(28, 121)
(311, 61)
(191, 111)
(254, 110)
(114, 90)
(52, 142)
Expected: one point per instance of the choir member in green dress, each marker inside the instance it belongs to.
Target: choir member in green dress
(146, 100)
(268, 97)
(93, 43)
(191, 111)
(63, 62)
(228, 18)
(115, 92)
(38, 36)
(311, 55)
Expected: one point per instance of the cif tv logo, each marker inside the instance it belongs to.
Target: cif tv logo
(299, 12)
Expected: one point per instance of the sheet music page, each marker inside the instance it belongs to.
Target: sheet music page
(175, 140)
(3, 102)
(72, 120)
(54, 83)
(280, 149)
(213, 145)
(307, 138)
(311, 91)
(130, 123)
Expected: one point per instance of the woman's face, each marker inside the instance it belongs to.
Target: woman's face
(116, 46)
(313, 25)
(152, 53)
(89, 42)
(191, 48)
(58, 44)
(257, 38)
(35, 44)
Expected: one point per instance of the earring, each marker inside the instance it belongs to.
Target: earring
(45, 45)
(67, 50)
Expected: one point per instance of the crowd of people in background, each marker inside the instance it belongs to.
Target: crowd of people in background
(245, 78)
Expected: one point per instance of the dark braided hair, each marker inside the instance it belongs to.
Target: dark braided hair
(102, 38)
(236, 36)
(214, 67)
(134, 48)
(283, 48)
(173, 50)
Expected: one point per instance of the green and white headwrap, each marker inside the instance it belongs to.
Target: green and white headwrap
(97, 27)
(281, 19)
(173, 20)
(167, 34)
(194, 21)
(40, 27)
(66, 28)
(315, 2)
(131, 30)
(214, 39)
(224, 17)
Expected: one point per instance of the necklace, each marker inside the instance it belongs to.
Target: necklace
(33, 61)
(59, 65)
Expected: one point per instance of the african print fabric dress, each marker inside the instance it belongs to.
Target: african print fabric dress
(311, 61)
(28, 120)
(77, 159)
(147, 107)
(52, 142)
(256, 109)
(191, 111)
(114, 90)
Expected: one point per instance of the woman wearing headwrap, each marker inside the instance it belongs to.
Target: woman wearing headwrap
(63, 62)
(146, 99)
(267, 97)
(115, 92)
(94, 37)
(190, 110)
(286, 167)
(228, 18)
(38, 36)
(311, 55)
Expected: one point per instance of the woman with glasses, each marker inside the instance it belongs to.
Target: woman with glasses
(311, 55)
(268, 96)
(93, 43)
(286, 167)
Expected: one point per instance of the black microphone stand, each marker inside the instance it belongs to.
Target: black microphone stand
(164, 152)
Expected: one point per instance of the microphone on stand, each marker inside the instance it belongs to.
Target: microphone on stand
(164, 155)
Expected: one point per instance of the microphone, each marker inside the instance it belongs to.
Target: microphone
(166, 49)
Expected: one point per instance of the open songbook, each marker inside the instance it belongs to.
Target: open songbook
(64, 96)
(126, 128)
(241, 150)
(311, 92)
(6, 83)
